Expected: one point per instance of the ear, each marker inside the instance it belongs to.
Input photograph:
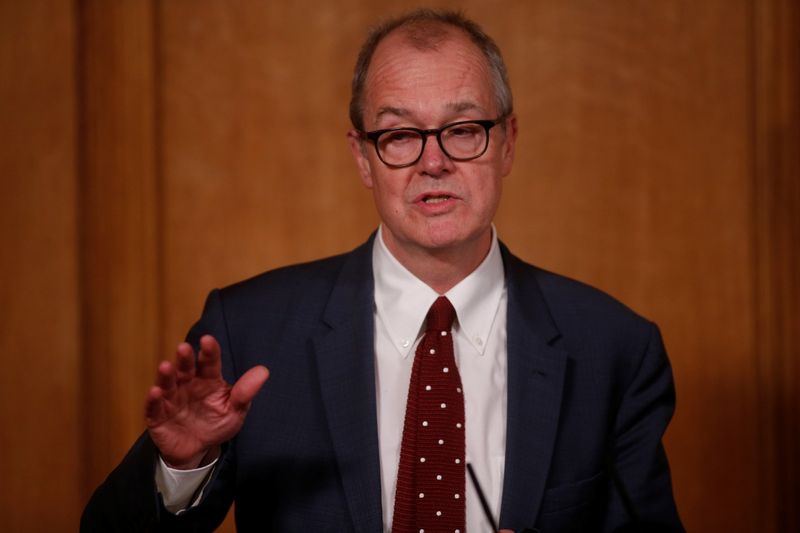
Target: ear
(509, 143)
(358, 149)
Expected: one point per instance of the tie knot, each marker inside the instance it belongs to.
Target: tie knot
(440, 315)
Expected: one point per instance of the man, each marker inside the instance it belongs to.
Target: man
(557, 395)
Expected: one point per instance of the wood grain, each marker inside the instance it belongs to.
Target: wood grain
(634, 175)
(154, 150)
(776, 201)
(119, 228)
(39, 290)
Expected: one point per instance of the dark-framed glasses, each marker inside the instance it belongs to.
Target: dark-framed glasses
(460, 141)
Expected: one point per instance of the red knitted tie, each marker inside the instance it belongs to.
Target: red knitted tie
(431, 479)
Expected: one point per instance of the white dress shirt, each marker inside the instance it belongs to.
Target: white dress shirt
(479, 341)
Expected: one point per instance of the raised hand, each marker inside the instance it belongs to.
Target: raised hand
(191, 410)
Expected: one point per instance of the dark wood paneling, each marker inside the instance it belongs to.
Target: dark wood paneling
(39, 299)
(634, 175)
(119, 233)
(776, 185)
(257, 170)
(657, 159)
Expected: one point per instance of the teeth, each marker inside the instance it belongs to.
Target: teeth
(436, 199)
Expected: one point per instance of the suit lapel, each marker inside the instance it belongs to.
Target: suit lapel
(345, 360)
(535, 381)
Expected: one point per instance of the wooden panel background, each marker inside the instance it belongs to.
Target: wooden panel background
(41, 380)
(154, 150)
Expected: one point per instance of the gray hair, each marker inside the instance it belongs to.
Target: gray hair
(423, 31)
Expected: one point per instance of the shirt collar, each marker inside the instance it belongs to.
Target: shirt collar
(402, 300)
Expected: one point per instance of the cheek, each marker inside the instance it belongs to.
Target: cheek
(387, 198)
(486, 197)
(391, 188)
(487, 189)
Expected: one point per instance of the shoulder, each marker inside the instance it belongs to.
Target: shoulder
(309, 277)
(570, 297)
(313, 278)
(280, 303)
(579, 312)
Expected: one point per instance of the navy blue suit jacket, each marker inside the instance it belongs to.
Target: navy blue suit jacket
(590, 394)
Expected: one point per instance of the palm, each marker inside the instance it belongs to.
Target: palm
(191, 409)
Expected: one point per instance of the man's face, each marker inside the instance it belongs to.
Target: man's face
(436, 204)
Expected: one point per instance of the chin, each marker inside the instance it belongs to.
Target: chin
(449, 238)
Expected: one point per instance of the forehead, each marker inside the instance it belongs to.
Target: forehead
(447, 77)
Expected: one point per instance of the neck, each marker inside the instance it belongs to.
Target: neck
(441, 268)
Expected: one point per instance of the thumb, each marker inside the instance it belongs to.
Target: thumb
(247, 386)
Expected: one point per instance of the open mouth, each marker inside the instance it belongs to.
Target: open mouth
(436, 199)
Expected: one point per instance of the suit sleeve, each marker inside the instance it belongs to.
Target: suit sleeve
(641, 497)
(128, 500)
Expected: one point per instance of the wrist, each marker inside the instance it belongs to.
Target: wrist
(199, 460)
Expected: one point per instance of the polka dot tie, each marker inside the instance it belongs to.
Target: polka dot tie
(431, 477)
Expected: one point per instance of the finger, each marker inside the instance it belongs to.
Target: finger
(208, 361)
(154, 405)
(166, 378)
(246, 388)
(184, 360)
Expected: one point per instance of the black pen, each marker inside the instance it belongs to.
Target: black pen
(482, 498)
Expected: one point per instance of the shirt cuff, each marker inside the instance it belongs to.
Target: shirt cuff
(182, 489)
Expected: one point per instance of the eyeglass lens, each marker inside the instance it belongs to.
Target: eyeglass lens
(459, 141)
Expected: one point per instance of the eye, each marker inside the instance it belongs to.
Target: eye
(399, 137)
(462, 131)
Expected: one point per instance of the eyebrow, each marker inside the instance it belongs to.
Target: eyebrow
(389, 110)
(456, 107)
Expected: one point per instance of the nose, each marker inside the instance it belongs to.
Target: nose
(433, 161)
